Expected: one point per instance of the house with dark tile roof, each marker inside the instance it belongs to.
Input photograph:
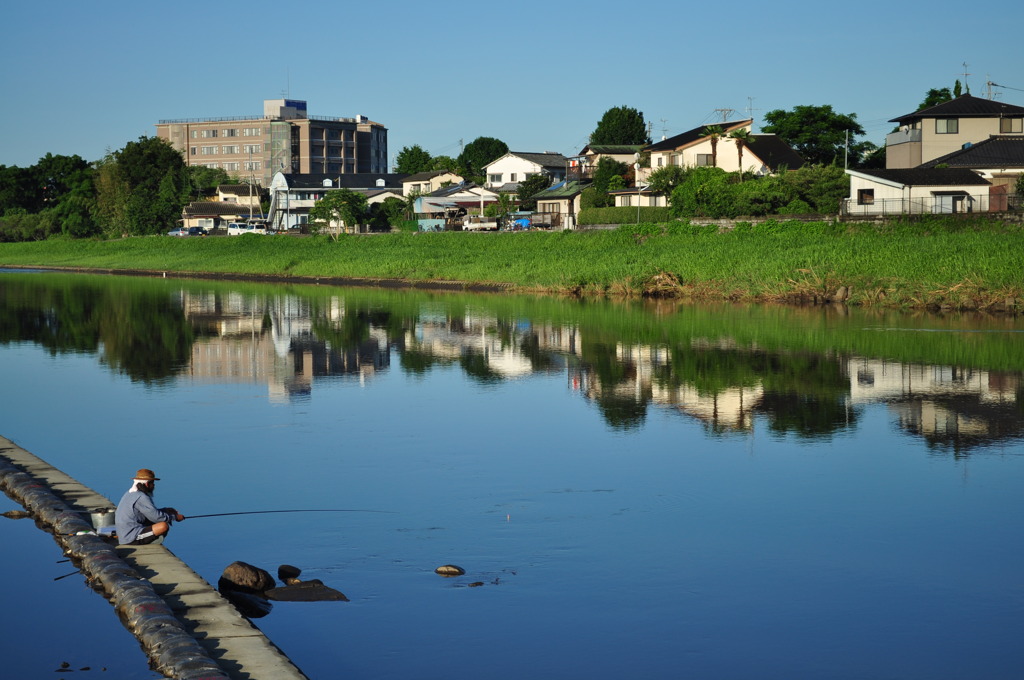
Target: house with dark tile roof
(916, 191)
(559, 205)
(504, 174)
(293, 195)
(935, 131)
(763, 155)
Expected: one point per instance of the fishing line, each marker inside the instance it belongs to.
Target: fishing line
(263, 512)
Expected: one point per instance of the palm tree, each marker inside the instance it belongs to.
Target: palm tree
(743, 138)
(714, 133)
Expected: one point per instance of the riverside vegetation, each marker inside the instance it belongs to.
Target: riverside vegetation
(932, 263)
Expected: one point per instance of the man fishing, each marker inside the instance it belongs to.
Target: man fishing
(138, 521)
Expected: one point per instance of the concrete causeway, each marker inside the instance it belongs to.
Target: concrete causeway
(230, 640)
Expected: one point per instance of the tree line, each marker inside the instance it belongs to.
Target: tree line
(137, 190)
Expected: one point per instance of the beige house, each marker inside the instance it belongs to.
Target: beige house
(762, 155)
(915, 191)
(583, 165)
(426, 182)
(945, 128)
(558, 206)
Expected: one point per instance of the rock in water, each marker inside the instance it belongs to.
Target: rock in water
(288, 574)
(245, 578)
(449, 570)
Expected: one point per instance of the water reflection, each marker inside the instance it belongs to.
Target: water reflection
(807, 373)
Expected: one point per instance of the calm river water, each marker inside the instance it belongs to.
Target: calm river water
(634, 490)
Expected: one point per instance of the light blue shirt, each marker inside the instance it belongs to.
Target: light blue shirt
(135, 514)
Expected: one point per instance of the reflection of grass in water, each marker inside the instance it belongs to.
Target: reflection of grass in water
(678, 327)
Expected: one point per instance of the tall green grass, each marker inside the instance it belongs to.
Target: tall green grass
(938, 263)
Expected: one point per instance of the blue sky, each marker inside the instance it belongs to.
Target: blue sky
(91, 77)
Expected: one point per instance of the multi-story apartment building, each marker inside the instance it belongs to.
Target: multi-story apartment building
(285, 139)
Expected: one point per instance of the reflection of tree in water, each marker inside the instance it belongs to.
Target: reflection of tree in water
(146, 336)
(143, 332)
(623, 409)
(475, 364)
(806, 394)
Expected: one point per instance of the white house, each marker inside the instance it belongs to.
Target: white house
(425, 182)
(915, 191)
(292, 196)
(505, 173)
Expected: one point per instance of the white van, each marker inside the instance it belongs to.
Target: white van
(238, 228)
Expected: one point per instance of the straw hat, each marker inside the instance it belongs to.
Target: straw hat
(147, 475)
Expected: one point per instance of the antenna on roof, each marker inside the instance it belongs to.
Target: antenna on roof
(965, 74)
(664, 128)
(751, 109)
(725, 113)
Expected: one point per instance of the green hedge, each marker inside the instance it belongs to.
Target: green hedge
(624, 215)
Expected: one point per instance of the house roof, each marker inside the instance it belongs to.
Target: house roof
(964, 106)
(430, 174)
(998, 151)
(213, 209)
(546, 159)
(611, 149)
(924, 177)
(454, 189)
(239, 189)
(774, 152)
(695, 135)
(364, 180)
(567, 189)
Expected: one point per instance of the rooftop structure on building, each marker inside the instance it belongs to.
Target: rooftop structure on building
(284, 139)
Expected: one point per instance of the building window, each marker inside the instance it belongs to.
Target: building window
(625, 200)
(251, 148)
(195, 134)
(229, 149)
(193, 150)
(231, 132)
(207, 134)
(865, 196)
(1011, 125)
(250, 132)
(704, 160)
(231, 166)
(207, 150)
(494, 179)
(661, 161)
(512, 177)
(252, 165)
(947, 126)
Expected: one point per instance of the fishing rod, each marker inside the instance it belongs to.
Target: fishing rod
(263, 512)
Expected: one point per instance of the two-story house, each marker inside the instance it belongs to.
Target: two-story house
(505, 173)
(426, 182)
(944, 128)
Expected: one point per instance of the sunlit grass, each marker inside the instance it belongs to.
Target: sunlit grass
(960, 264)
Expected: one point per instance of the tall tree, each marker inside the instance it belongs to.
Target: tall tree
(413, 159)
(817, 133)
(340, 205)
(621, 125)
(144, 186)
(478, 153)
(714, 133)
(607, 169)
(936, 96)
(529, 188)
(743, 139)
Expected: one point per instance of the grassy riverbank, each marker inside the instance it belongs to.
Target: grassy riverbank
(951, 263)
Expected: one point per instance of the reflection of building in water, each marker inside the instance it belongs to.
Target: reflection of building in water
(501, 345)
(945, 405)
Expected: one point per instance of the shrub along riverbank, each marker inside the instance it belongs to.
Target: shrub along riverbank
(973, 264)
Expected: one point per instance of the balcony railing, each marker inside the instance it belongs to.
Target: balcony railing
(942, 204)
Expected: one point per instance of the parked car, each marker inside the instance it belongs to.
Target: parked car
(180, 231)
(238, 228)
(196, 231)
